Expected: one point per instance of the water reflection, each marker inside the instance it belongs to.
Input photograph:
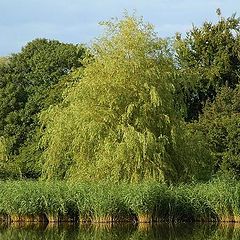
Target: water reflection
(120, 232)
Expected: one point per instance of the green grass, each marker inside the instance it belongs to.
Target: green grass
(106, 202)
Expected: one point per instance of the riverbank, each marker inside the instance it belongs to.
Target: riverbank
(29, 201)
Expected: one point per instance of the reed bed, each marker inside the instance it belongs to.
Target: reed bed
(38, 201)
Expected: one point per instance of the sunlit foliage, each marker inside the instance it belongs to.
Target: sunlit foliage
(119, 121)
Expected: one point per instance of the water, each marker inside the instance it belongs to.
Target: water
(120, 232)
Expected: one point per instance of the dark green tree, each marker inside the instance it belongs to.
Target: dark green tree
(220, 123)
(26, 84)
(208, 59)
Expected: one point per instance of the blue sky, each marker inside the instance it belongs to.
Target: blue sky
(76, 21)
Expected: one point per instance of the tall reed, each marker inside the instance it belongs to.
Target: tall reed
(58, 201)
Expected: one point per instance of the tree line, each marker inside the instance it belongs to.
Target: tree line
(131, 107)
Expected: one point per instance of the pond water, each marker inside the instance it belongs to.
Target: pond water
(161, 231)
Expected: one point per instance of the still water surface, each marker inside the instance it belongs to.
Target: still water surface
(121, 232)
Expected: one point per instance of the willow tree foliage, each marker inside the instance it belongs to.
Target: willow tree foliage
(119, 121)
(3, 60)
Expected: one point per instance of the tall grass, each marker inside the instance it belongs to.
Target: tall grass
(218, 200)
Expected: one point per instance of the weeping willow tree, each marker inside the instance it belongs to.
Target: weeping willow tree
(118, 122)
